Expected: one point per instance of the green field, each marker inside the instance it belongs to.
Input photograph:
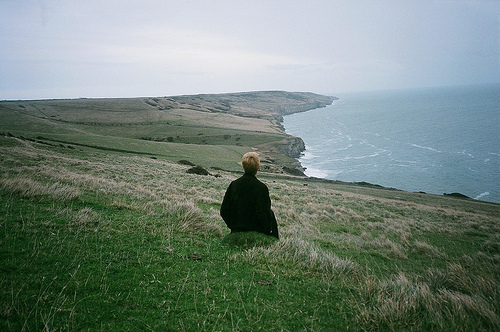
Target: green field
(101, 228)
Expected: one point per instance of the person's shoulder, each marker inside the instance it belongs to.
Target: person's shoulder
(261, 184)
(239, 181)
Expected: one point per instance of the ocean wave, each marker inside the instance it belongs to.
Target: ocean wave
(316, 173)
(426, 148)
(341, 134)
(307, 154)
(406, 162)
(465, 153)
(341, 149)
(401, 165)
(356, 157)
(482, 195)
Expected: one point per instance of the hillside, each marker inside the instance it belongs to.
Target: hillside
(226, 125)
(103, 228)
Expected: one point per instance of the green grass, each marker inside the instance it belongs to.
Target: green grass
(102, 229)
(96, 240)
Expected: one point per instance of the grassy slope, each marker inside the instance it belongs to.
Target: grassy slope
(225, 125)
(178, 133)
(104, 240)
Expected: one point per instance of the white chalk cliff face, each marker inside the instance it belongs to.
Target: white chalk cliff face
(294, 147)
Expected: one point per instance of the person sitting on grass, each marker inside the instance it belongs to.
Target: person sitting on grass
(247, 206)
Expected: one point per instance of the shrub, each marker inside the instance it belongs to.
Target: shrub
(188, 217)
(197, 170)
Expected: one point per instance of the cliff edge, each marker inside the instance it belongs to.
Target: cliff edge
(261, 104)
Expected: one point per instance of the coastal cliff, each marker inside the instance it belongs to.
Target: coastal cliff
(213, 130)
(292, 146)
(257, 104)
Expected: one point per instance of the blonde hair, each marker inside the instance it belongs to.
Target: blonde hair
(251, 162)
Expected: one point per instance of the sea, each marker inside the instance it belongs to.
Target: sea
(433, 140)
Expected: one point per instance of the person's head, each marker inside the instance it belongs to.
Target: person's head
(251, 163)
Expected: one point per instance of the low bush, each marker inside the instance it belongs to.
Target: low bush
(197, 170)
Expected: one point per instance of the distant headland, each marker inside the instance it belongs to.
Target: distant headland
(212, 129)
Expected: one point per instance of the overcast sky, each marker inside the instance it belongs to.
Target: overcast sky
(120, 48)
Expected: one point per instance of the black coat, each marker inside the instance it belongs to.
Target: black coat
(247, 207)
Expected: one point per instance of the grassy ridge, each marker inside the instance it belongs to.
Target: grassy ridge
(105, 241)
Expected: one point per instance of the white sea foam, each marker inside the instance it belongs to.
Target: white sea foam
(426, 147)
(342, 149)
(357, 157)
(465, 153)
(307, 155)
(482, 195)
(316, 173)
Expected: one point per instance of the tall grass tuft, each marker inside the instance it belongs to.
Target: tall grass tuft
(305, 255)
(29, 188)
(426, 249)
(186, 216)
(405, 303)
(86, 217)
